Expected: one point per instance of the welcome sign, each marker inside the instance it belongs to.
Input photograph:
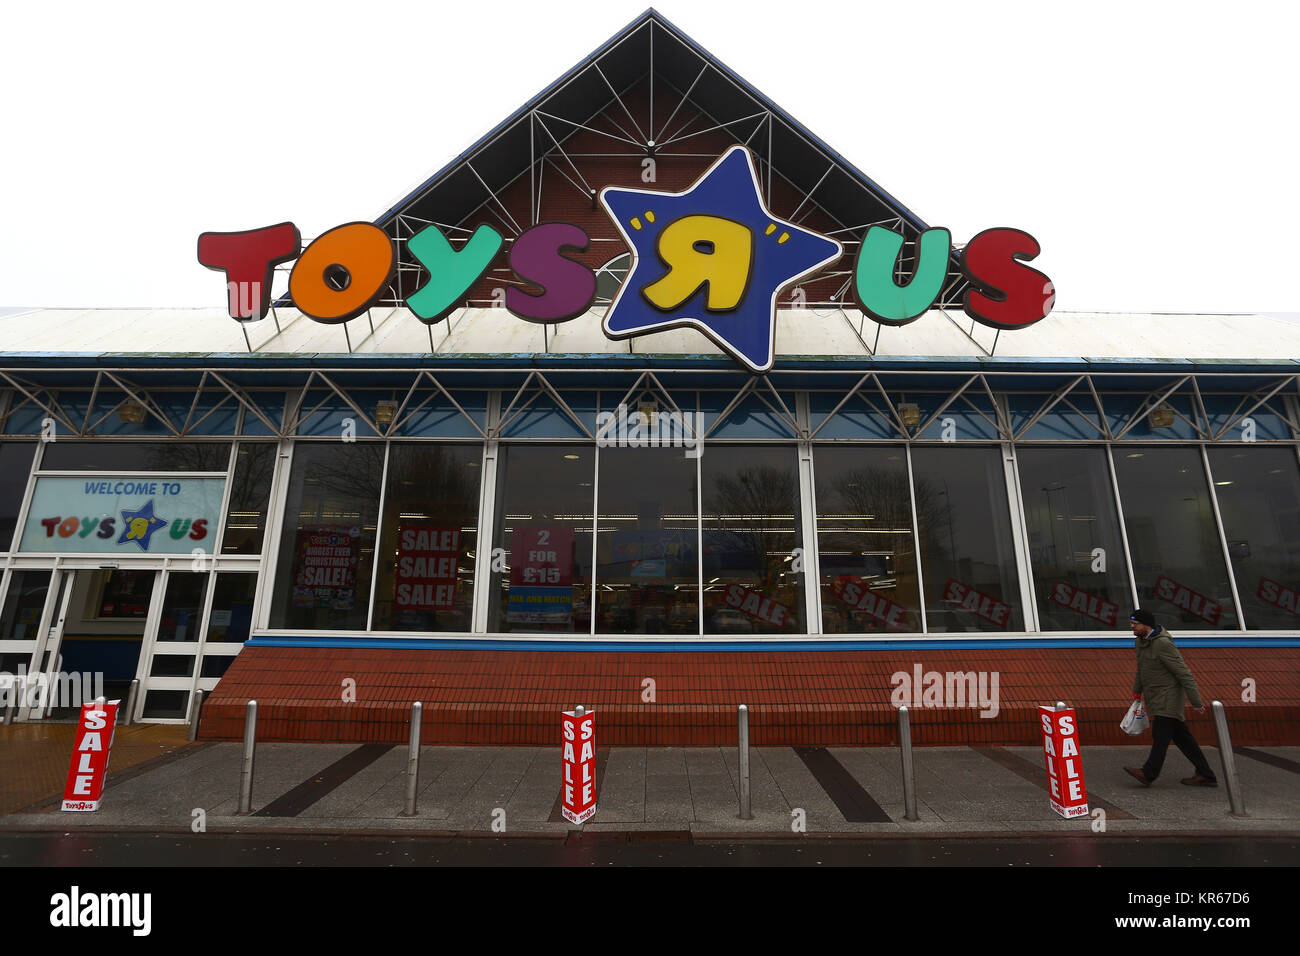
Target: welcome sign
(713, 257)
(127, 516)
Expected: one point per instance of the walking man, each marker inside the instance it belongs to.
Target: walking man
(1163, 677)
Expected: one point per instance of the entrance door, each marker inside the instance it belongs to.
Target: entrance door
(97, 637)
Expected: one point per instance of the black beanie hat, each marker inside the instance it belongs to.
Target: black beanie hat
(1143, 616)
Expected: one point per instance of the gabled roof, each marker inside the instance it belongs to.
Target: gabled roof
(648, 84)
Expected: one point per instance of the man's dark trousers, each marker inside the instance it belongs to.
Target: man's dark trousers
(1165, 729)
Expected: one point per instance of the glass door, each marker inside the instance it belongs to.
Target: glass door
(95, 642)
(168, 680)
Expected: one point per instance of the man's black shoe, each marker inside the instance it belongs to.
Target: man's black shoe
(1199, 781)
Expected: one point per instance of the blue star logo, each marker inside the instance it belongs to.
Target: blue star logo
(139, 526)
(712, 258)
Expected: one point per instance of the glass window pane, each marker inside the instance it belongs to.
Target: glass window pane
(182, 606)
(327, 542)
(647, 572)
(172, 665)
(1077, 553)
(1172, 536)
(123, 595)
(270, 404)
(231, 619)
(249, 490)
(966, 547)
(15, 467)
(1259, 498)
(751, 529)
(24, 602)
(855, 418)
(544, 501)
(135, 456)
(865, 546)
(215, 665)
(426, 577)
(1262, 424)
(166, 703)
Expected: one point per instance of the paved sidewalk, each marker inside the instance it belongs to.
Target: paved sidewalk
(35, 757)
(466, 790)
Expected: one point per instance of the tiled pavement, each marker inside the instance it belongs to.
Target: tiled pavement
(35, 757)
(468, 789)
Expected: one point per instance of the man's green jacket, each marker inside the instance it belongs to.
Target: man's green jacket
(1163, 676)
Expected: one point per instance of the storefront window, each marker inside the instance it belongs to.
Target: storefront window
(1075, 547)
(1259, 498)
(249, 489)
(647, 569)
(865, 546)
(968, 560)
(426, 575)
(15, 467)
(751, 531)
(139, 457)
(543, 524)
(1172, 536)
(327, 542)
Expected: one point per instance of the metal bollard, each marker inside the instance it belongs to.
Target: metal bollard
(742, 737)
(909, 771)
(130, 702)
(246, 771)
(413, 760)
(1236, 801)
(195, 713)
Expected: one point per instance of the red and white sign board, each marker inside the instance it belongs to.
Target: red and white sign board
(579, 759)
(94, 740)
(1069, 798)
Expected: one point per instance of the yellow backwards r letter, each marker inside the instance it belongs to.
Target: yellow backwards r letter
(703, 250)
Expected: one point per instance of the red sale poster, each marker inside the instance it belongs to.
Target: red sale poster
(1067, 793)
(542, 556)
(325, 575)
(426, 567)
(94, 740)
(578, 759)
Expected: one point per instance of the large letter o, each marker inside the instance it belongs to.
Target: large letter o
(342, 272)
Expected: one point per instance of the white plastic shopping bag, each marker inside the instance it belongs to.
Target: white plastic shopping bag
(1136, 720)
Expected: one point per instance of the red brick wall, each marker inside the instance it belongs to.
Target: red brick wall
(821, 698)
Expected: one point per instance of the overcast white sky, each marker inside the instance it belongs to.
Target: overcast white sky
(1148, 146)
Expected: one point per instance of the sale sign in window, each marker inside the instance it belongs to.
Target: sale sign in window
(426, 567)
(541, 575)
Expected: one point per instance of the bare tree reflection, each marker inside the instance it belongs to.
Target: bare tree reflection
(752, 512)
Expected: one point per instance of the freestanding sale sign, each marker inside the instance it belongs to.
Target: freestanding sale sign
(579, 803)
(1064, 764)
(94, 740)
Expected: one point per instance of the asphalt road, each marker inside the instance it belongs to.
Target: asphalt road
(62, 849)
